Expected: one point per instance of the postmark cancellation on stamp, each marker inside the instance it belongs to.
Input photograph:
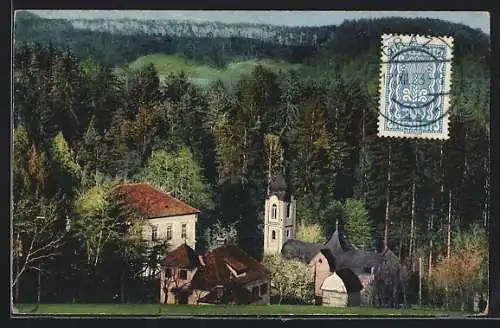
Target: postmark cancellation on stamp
(415, 82)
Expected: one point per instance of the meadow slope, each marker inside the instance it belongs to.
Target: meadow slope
(204, 74)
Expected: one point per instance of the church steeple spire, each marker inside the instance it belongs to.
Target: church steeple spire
(274, 147)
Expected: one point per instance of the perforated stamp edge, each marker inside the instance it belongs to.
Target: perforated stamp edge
(426, 39)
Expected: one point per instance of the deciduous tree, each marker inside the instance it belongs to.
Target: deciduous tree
(36, 234)
(219, 231)
(179, 174)
(291, 280)
(312, 233)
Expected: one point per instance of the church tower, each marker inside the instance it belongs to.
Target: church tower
(279, 216)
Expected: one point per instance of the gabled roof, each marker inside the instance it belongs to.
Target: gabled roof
(229, 294)
(340, 254)
(183, 256)
(348, 257)
(151, 202)
(216, 272)
(300, 250)
(237, 266)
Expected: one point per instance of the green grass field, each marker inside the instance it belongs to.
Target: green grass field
(203, 74)
(218, 310)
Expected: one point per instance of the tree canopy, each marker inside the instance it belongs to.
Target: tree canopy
(77, 117)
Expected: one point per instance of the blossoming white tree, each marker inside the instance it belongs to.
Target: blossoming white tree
(290, 279)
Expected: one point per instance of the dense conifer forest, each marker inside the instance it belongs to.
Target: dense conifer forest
(81, 125)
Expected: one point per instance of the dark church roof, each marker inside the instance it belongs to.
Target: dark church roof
(278, 186)
(336, 250)
(351, 281)
(347, 256)
(300, 250)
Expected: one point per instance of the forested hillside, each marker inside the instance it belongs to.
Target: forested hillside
(116, 42)
(80, 126)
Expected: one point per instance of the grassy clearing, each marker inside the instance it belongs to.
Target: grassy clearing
(172, 64)
(218, 310)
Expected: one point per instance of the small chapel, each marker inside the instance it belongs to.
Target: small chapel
(341, 271)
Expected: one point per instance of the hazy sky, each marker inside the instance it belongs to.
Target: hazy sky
(475, 19)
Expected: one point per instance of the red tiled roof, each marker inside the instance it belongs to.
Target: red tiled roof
(235, 264)
(151, 202)
(183, 256)
(229, 294)
(215, 272)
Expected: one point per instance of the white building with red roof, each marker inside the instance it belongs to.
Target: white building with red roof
(166, 217)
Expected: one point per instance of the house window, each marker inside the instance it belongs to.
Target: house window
(273, 234)
(289, 210)
(183, 274)
(184, 231)
(255, 290)
(274, 211)
(263, 289)
(169, 232)
(287, 233)
(168, 273)
(154, 233)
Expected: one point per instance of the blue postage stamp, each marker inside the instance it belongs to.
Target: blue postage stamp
(415, 81)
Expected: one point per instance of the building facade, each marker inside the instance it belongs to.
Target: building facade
(175, 230)
(165, 218)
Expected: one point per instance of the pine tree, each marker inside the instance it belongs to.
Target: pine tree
(104, 93)
(291, 94)
(311, 171)
(358, 224)
(142, 89)
(344, 121)
(121, 157)
(70, 111)
(90, 153)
